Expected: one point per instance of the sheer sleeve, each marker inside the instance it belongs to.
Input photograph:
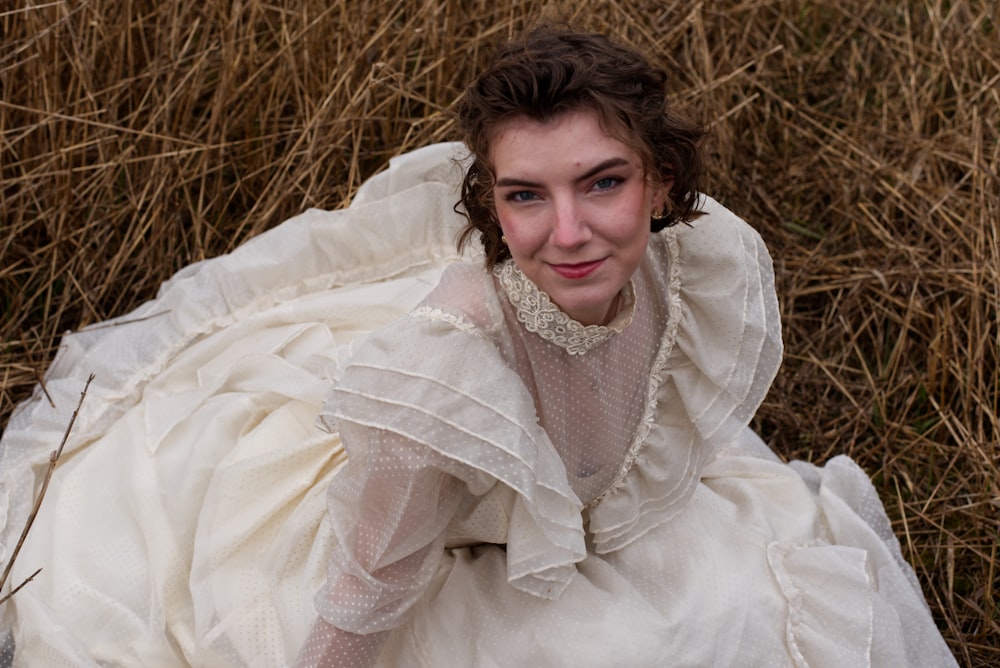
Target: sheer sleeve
(433, 420)
(388, 509)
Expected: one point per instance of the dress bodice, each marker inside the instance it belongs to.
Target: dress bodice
(589, 383)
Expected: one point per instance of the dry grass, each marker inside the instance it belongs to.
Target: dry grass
(861, 139)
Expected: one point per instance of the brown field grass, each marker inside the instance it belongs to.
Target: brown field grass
(860, 138)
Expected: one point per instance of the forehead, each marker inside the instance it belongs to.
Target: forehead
(576, 137)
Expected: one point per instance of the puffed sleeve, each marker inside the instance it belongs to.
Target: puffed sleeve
(388, 509)
(390, 506)
(432, 418)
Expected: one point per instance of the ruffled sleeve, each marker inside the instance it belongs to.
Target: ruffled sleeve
(431, 397)
(720, 353)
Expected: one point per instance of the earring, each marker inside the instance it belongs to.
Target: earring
(503, 238)
(660, 215)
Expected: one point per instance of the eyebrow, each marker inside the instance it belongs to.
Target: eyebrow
(593, 171)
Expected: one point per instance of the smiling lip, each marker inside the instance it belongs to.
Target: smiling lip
(576, 271)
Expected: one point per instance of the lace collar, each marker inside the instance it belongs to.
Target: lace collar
(539, 315)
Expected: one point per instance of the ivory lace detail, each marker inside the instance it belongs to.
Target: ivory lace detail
(539, 315)
(656, 372)
(455, 321)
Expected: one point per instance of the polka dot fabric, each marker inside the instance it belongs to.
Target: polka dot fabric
(510, 494)
(604, 502)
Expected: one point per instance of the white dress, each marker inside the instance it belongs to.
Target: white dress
(520, 491)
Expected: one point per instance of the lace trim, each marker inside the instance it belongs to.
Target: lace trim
(539, 315)
(656, 372)
(455, 321)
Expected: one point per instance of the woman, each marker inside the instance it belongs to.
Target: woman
(549, 459)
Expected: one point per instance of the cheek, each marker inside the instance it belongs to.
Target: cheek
(634, 228)
(522, 233)
(638, 240)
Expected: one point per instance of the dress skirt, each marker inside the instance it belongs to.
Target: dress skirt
(186, 521)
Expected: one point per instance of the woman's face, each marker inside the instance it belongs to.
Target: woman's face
(574, 205)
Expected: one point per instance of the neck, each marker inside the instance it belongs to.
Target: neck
(612, 309)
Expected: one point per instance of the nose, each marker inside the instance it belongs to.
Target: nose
(569, 228)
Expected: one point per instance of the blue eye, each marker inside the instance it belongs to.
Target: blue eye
(522, 196)
(606, 183)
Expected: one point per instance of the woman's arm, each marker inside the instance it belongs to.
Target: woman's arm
(330, 647)
(388, 509)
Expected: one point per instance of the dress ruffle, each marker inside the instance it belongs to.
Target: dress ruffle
(830, 608)
(485, 421)
(716, 362)
(233, 356)
(852, 515)
(312, 252)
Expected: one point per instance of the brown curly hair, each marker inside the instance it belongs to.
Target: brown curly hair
(551, 70)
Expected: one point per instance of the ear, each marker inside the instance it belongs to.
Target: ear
(661, 195)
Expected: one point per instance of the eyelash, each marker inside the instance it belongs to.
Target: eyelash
(615, 181)
(516, 196)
